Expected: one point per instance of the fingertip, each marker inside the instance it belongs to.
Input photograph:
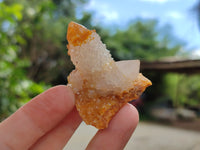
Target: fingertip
(119, 130)
(70, 92)
(127, 118)
(133, 112)
(61, 90)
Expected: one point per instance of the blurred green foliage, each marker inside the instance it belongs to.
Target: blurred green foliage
(141, 41)
(33, 52)
(42, 29)
(16, 88)
(183, 90)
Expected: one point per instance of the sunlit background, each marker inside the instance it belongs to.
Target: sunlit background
(163, 34)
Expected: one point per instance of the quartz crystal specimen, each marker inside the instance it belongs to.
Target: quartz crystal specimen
(101, 85)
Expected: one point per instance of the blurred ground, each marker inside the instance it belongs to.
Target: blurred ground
(147, 136)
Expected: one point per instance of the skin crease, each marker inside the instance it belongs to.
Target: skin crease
(50, 119)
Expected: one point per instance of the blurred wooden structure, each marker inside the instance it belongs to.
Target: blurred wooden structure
(176, 66)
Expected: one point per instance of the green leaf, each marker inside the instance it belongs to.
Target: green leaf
(17, 11)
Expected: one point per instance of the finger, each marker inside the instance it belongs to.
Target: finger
(36, 118)
(119, 131)
(57, 138)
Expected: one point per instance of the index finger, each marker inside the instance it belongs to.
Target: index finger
(36, 118)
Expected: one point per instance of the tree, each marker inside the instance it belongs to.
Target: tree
(43, 30)
(141, 41)
(16, 88)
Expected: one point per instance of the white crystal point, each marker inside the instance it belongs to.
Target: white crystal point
(130, 68)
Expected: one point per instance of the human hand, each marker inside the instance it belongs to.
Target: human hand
(49, 120)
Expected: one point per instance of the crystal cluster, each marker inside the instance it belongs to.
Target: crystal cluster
(101, 85)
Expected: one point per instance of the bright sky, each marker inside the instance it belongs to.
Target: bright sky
(177, 13)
